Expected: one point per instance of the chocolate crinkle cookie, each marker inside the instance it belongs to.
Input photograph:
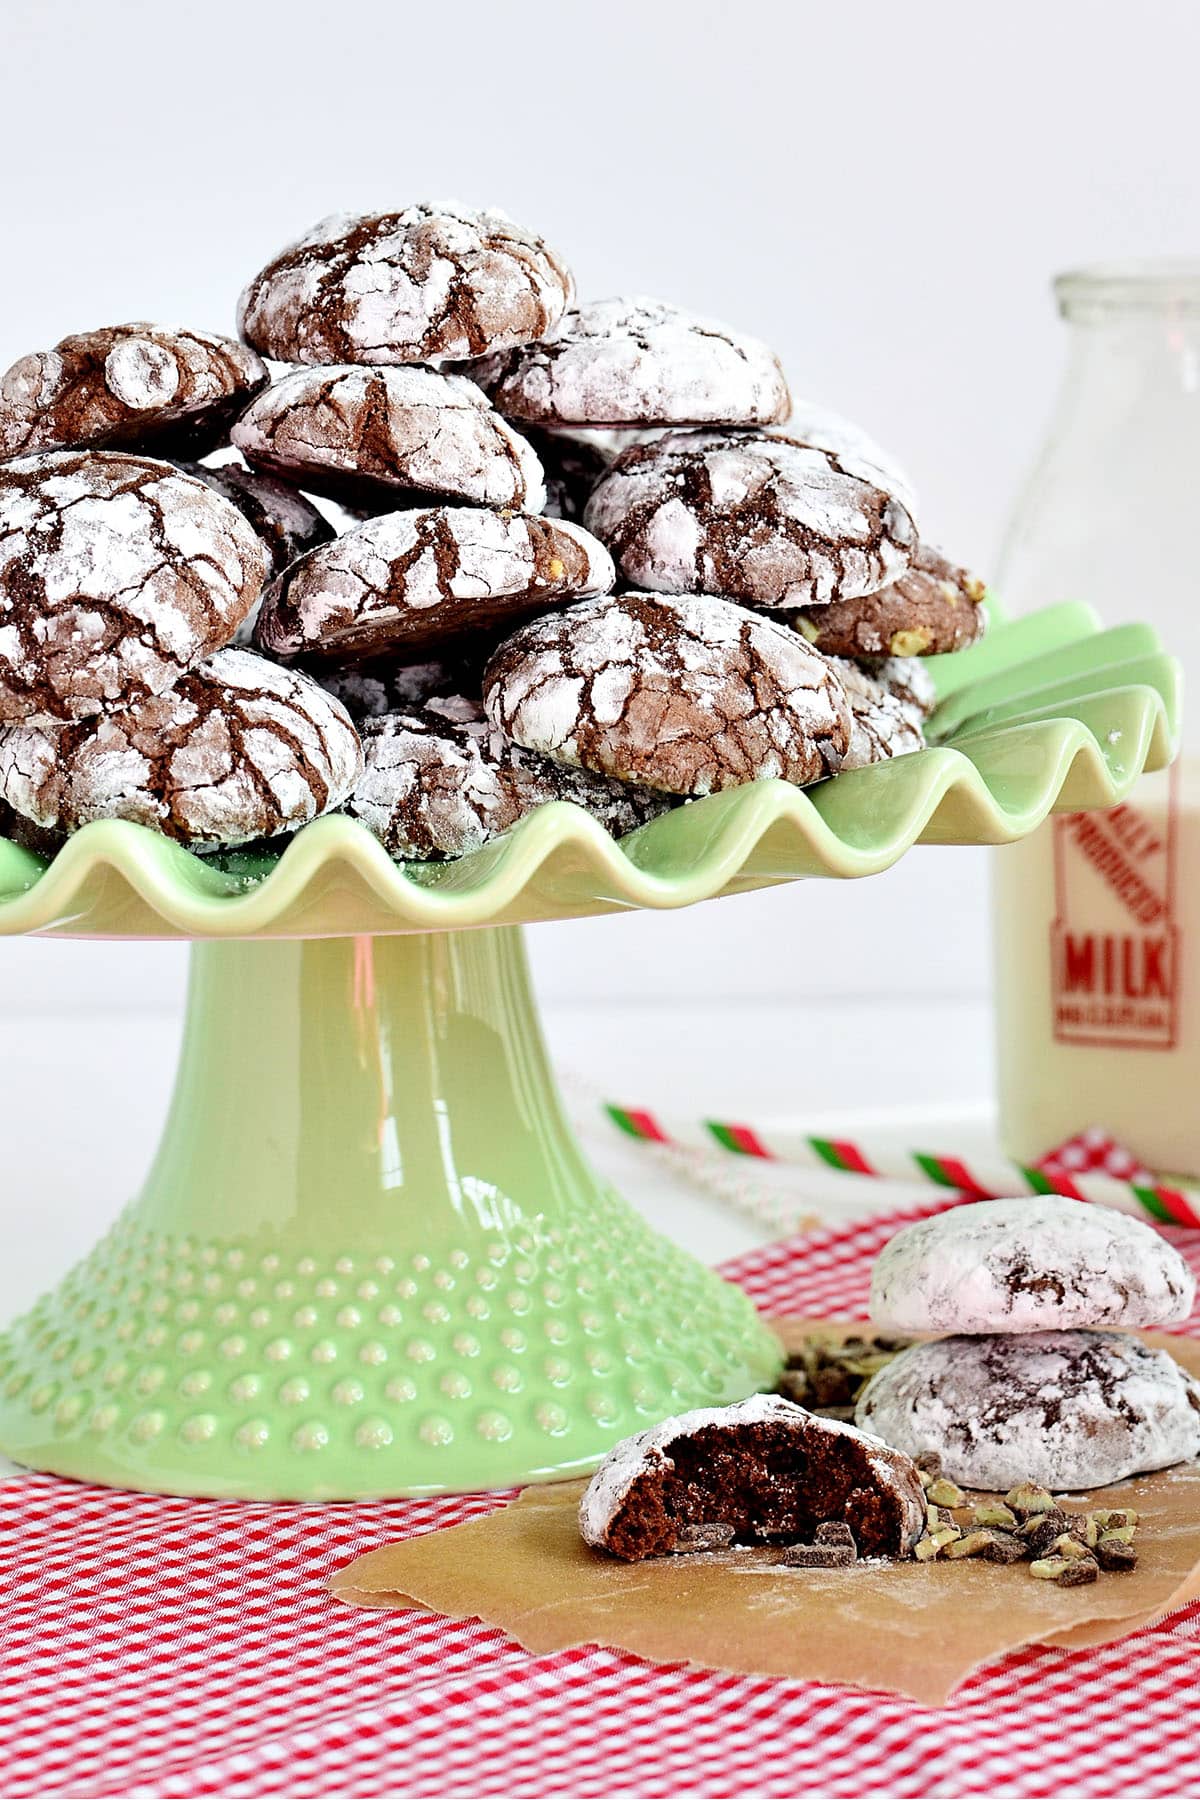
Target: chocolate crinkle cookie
(414, 580)
(117, 575)
(887, 713)
(156, 387)
(767, 1471)
(750, 516)
(1043, 1263)
(855, 449)
(288, 524)
(415, 286)
(689, 695)
(1068, 1409)
(239, 749)
(933, 608)
(638, 362)
(375, 435)
(439, 782)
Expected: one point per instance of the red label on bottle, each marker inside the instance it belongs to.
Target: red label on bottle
(1114, 945)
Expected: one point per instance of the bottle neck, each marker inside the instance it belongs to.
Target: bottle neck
(1124, 367)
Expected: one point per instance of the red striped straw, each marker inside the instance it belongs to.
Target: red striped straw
(983, 1178)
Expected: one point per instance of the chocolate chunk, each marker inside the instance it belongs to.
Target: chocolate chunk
(818, 1556)
(702, 1537)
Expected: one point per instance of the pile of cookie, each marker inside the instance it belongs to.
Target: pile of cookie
(1040, 1378)
(1041, 1389)
(472, 548)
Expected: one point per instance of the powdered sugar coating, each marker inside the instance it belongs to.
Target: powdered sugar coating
(638, 362)
(1037, 1264)
(160, 387)
(634, 1456)
(1068, 1409)
(750, 516)
(117, 574)
(411, 579)
(288, 524)
(436, 280)
(240, 749)
(855, 449)
(887, 723)
(688, 695)
(340, 430)
(439, 782)
(932, 609)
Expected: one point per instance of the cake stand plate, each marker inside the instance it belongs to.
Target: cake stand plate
(369, 1259)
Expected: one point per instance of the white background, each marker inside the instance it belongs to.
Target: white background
(881, 191)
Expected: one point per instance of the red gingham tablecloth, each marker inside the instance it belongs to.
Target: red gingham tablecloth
(170, 1648)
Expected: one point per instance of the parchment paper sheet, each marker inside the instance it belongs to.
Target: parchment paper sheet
(910, 1628)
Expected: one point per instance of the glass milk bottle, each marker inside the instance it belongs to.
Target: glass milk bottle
(1097, 916)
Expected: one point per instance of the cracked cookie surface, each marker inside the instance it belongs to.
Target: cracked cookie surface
(157, 387)
(934, 607)
(638, 362)
(1071, 1410)
(390, 431)
(287, 523)
(689, 695)
(239, 749)
(750, 516)
(1037, 1264)
(889, 701)
(117, 575)
(433, 281)
(439, 781)
(409, 580)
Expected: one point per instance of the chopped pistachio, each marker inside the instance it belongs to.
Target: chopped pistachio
(1064, 1571)
(909, 643)
(924, 1477)
(1113, 1518)
(945, 1534)
(926, 1549)
(1120, 1534)
(946, 1493)
(1070, 1547)
(1030, 1497)
(994, 1512)
(973, 1544)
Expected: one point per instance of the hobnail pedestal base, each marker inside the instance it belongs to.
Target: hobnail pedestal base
(370, 1259)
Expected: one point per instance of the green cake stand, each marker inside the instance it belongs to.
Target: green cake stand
(369, 1259)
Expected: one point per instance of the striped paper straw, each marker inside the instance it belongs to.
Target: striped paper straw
(984, 1178)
